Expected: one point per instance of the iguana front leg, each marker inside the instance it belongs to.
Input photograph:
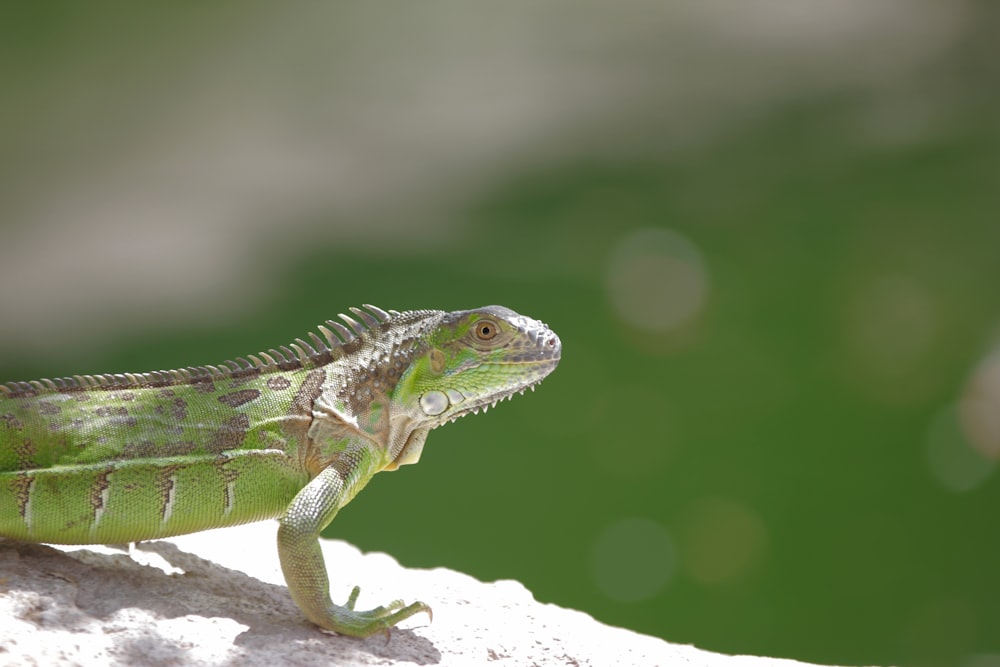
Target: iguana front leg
(302, 560)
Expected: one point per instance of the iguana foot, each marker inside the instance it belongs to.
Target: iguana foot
(347, 621)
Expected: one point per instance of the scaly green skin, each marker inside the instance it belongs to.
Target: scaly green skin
(292, 434)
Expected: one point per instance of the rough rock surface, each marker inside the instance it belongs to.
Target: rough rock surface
(218, 598)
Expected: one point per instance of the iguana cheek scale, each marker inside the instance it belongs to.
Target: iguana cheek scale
(293, 434)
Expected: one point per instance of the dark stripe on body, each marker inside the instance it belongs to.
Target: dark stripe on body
(21, 484)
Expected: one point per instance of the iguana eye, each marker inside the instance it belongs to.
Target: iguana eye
(486, 329)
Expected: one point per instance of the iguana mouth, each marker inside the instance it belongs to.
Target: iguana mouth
(471, 403)
(475, 407)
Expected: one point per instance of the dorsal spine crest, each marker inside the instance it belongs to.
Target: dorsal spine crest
(296, 355)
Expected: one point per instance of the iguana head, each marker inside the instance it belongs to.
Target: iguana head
(471, 360)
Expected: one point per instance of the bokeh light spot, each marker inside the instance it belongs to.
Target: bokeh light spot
(632, 559)
(657, 280)
(721, 540)
(953, 461)
(979, 408)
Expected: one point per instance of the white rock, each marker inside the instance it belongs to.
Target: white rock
(218, 597)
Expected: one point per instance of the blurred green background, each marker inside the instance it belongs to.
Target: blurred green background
(767, 234)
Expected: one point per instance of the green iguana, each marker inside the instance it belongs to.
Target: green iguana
(292, 434)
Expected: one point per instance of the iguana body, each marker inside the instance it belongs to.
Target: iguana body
(291, 434)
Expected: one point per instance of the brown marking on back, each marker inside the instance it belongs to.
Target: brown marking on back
(278, 383)
(10, 421)
(237, 398)
(48, 408)
(178, 409)
(230, 435)
(25, 452)
(182, 447)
